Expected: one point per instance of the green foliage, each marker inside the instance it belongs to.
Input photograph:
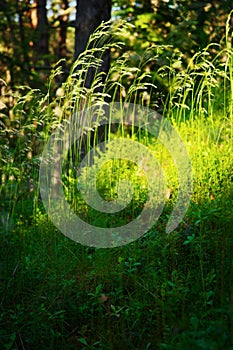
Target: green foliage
(21, 61)
(160, 292)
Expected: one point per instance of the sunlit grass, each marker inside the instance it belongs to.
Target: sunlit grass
(160, 292)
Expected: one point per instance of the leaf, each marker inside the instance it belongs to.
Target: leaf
(83, 341)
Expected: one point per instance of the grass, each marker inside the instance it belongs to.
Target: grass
(162, 291)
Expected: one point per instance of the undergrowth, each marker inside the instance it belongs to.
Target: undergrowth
(163, 291)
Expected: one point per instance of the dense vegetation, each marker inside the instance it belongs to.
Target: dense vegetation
(162, 291)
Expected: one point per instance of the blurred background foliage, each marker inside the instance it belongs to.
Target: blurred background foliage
(35, 34)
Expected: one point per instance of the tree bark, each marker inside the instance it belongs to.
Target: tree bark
(89, 16)
(63, 30)
(42, 30)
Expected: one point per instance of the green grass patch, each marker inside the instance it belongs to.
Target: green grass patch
(162, 291)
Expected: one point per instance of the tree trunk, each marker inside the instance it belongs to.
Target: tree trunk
(42, 30)
(89, 16)
(62, 47)
(63, 29)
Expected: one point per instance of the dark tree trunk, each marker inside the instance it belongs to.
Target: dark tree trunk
(21, 9)
(63, 30)
(89, 16)
(42, 30)
(62, 47)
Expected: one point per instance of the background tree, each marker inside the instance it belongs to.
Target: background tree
(41, 42)
(14, 39)
(35, 34)
(89, 16)
(62, 53)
